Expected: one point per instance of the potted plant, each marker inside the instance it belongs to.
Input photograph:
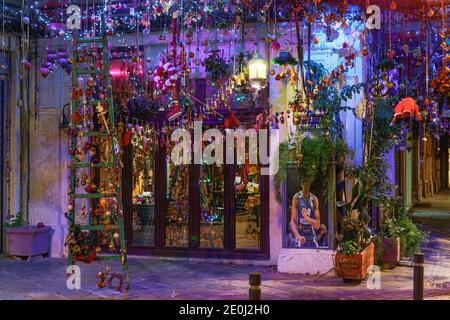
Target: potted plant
(23, 240)
(356, 251)
(387, 244)
(411, 238)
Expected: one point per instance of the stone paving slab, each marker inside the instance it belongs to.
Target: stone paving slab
(150, 279)
(158, 278)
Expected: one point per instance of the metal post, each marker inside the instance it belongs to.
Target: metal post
(418, 276)
(254, 292)
(332, 214)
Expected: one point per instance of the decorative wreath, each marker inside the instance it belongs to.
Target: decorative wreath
(166, 75)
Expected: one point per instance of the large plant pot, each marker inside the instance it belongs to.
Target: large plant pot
(353, 267)
(391, 252)
(28, 241)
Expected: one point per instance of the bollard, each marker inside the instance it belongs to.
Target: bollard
(254, 279)
(418, 276)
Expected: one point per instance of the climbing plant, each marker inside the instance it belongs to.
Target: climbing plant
(314, 148)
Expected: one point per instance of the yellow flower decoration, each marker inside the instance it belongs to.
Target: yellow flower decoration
(76, 249)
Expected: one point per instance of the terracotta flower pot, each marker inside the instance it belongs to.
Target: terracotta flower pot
(391, 252)
(353, 267)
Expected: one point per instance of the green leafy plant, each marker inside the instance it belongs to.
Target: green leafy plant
(397, 224)
(18, 221)
(411, 238)
(316, 154)
(356, 235)
(216, 66)
(373, 173)
(287, 157)
(311, 155)
(381, 136)
(389, 226)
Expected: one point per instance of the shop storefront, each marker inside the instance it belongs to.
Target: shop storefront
(194, 210)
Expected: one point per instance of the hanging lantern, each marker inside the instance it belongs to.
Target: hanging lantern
(257, 68)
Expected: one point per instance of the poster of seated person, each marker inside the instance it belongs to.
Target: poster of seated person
(306, 215)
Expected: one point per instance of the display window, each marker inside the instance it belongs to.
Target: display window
(193, 209)
(177, 216)
(212, 206)
(247, 199)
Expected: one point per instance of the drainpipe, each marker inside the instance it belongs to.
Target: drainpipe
(24, 141)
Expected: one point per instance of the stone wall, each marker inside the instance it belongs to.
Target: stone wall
(48, 175)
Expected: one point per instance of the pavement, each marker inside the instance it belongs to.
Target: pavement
(161, 278)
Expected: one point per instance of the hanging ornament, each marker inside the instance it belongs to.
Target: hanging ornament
(189, 33)
(51, 56)
(275, 45)
(62, 53)
(44, 71)
(393, 5)
(391, 54)
(27, 64)
(68, 67)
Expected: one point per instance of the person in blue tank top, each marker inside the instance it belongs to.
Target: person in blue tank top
(305, 218)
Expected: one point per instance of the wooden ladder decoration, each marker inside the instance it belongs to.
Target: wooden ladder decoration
(93, 118)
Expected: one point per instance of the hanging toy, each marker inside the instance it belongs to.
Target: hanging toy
(406, 108)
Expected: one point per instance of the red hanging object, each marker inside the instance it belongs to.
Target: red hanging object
(407, 108)
(231, 122)
(174, 112)
(126, 138)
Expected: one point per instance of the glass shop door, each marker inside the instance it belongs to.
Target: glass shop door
(140, 174)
